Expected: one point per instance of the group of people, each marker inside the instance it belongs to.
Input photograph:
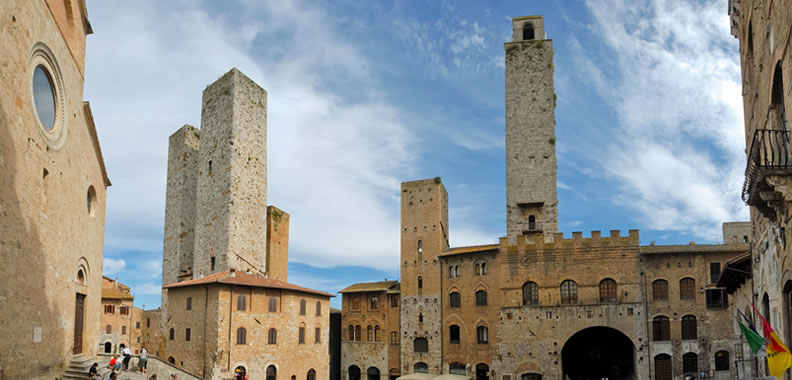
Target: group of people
(122, 363)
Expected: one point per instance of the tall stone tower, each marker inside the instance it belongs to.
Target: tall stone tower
(531, 202)
(424, 231)
(231, 216)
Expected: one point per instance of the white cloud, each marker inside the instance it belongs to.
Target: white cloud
(113, 266)
(679, 155)
(147, 289)
(333, 159)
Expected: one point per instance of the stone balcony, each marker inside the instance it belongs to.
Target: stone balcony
(768, 174)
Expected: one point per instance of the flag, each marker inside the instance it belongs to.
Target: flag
(755, 341)
(778, 356)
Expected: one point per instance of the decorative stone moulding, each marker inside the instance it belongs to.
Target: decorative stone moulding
(42, 56)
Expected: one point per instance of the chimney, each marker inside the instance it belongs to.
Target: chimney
(233, 272)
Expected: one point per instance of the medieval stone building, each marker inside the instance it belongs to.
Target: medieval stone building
(538, 304)
(764, 277)
(52, 192)
(227, 310)
(120, 321)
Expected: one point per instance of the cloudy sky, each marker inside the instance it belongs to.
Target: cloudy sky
(364, 95)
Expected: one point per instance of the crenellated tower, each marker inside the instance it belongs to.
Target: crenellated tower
(531, 201)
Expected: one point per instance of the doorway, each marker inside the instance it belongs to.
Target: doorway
(598, 352)
(79, 320)
(482, 371)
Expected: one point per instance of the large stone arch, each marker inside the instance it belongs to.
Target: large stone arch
(598, 352)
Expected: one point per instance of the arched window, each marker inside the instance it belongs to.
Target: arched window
(568, 292)
(302, 307)
(457, 368)
(532, 223)
(661, 329)
(420, 317)
(370, 334)
(273, 304)
(358, 337)
(689, 327)
(531, 376)
(272, 336)
(528, 31)
(80, 277)
(750, 40)
(241, 302)
(530, 293)
(355, 303)
(311, 375)
(607, 288)
(454, 299)
(318, 308)
(377, 334)
(420, 345)
(272, 372)
(778, 97)
(172, 334)
(722, 361)
(421, 367)
(354, 372)
(482, 335)
(453, 334)
(301, 335)
(241, 335)
(663, 367)
(374, 300)
(420, 246)
(481, 298)
(373, 373)
(660, 290)
(240, 373)
(171, 360)
(690, 363)
(420, 282)
(687, 289)
(109, 329)
(351, 333)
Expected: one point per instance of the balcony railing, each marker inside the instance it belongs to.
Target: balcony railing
(769, 154)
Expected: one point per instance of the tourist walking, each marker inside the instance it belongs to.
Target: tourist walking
(143, 360)
(127, 355)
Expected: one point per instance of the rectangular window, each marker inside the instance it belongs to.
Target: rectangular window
(394, 300)
(241, 303)
(123, 330)
(318, 335)
(148, 338)
(187, 335)
(109, 309)
(302, 335)
(394, 337)
(715, 270)
(124, 310)
(273, 304)
(212, 264)
(137, 325)
(148, 322)
(189, 303)
(373, 302)
(717, 299)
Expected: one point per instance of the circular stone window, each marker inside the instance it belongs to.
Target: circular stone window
(44, 97)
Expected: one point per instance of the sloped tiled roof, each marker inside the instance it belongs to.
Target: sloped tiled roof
(694, 248)
(470, 249)
(245, 279)
(362, 287)
(395, 289)
(116, 294)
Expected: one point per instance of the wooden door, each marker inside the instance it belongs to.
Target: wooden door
(79, 313)
(663, 367)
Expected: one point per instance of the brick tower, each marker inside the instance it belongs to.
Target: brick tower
(231, 224)
(424, 231)
(531, 202)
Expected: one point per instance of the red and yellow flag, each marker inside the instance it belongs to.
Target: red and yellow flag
(778, 356)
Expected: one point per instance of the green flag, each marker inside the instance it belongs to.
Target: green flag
(754, 340)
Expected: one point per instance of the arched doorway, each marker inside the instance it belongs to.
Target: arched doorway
(354, 372)
(482, 371)
(108, 347)
(598, 352)
(373, 373)
(171, 360)
(421, 367)
(240, 373)
(272, 372)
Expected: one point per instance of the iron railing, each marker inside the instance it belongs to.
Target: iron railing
(770, 152)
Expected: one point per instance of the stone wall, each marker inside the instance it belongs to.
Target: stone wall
(232, 177)
(379, 351)
(49, 233)
(530, 134)
(277, 244)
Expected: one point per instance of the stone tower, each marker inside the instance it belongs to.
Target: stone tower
(231, 208)
(531, 202)
(424, 231)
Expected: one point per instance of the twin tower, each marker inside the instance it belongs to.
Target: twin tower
(216, 214)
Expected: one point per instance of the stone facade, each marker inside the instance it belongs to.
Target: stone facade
(531, 202)
(370, 330)
(52, 191)
(120, 321)
(763, 30)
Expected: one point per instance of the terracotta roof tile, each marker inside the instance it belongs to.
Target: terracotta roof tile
(380, 286)
(694, 248)
(116, 294)
(470, 249)
(245, 279)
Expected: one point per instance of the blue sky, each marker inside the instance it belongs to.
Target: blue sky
(365, 95)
